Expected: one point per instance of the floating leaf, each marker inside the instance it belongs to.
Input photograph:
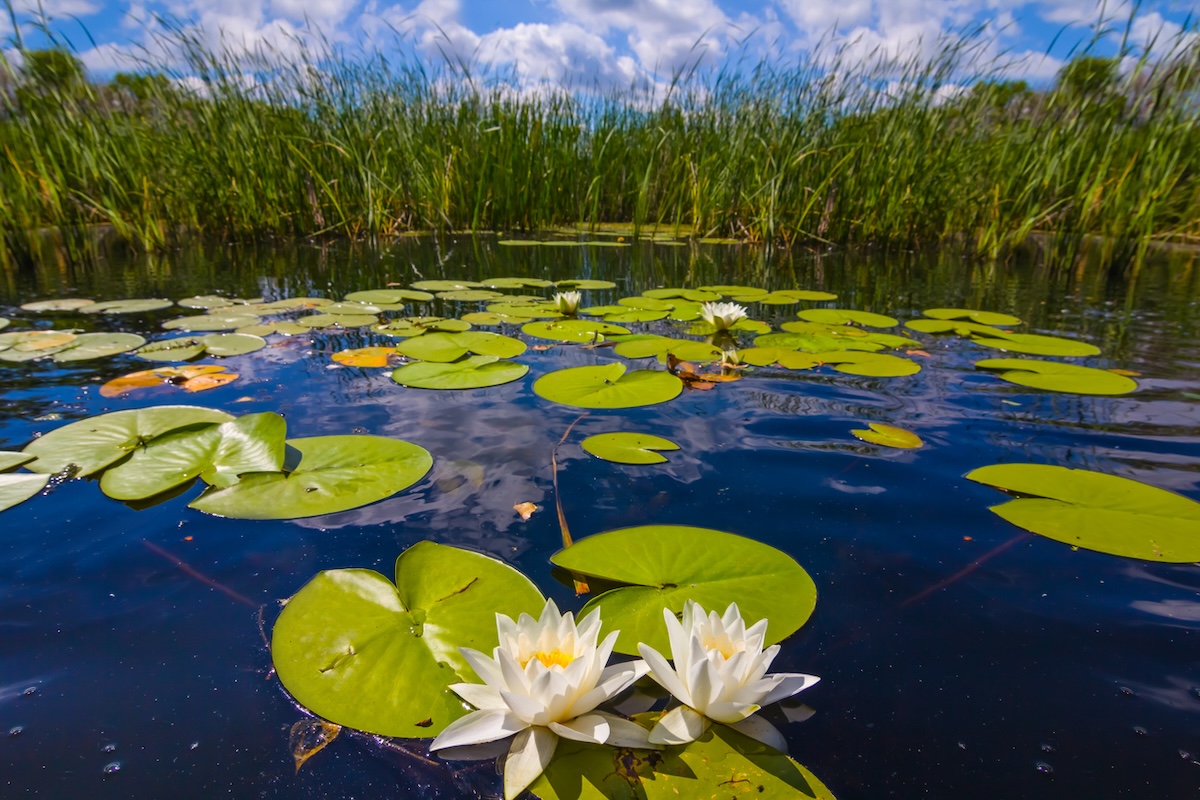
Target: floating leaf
(268, 328)
(3, 323)
(628, 448)
(488, 319)
(202, 383)
(446, 286)
(694, 295)
(526, 510)
(1106, 513)
(202, 323)
(889, 436)
(213, 301)
(335, 473)
(846, 316)
(468, 295)
(366, 357)
(94, 443)
(389, 296)
(127, 306)
(872, 365)
(218, 454)
(363, 652)
(656, 346)
(476, 372)
(99, 345)
(734, 290)
(526, 311)
(446, 347)
(607, 386)
(957, 327)
(666, 565)
(1054, 376)
(789, 359)
(29, 345)
(982, 317)
(293, 303)
(224, 345)
(1037, 345)
(517, 283)
(10, 460)
(180, 376)
(572, 330)
(309, 737)
(585, 284)
(183, 348)
(337, 320)
(816, 342)
(16, 488)
(646, 303)
(57, 304)
(722, 764)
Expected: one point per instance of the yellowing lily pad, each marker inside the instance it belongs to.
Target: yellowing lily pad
(10, 460)
(607, 386)
(138, 306)
(57, 304)
(666, 565)
(366, 356)
(3, 323)
(1105, 513)
(334, 473)
(628, 448)
(1054, 376)
(889, 436)
(18, 487)
(361, 651)
(87, 346)
(475, 372)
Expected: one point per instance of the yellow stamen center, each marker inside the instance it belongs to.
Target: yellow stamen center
(554, 658)
(723, 646)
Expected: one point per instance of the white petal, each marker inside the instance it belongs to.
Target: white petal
(791, 683)
(625, 733)
(613, 684)
(511, 674)
(586, 728)
(478, 727)
(679, 726)
(524, 708)
(663, 674)
(677, 634)
(758, 728)
(486, 668)
(704, 682)
(730, 712)
(477, 694)
(528, 757)
(475, 752)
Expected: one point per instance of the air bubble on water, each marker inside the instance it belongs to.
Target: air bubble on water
(193, 745)
(1185, 755)
(1139, 730)
(1125, 690)
(110, 747)
(112, 767)
(1044, 768)
(17, 730)
(29, 691)
(1047, 748)
(358, 430)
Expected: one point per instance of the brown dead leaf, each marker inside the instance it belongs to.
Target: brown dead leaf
(526, 510)
(201, 383)
(540, 347)
(134, 380)
(917, 353)
(714, 377)
(309, 737)
(702, 386)
(366, 356)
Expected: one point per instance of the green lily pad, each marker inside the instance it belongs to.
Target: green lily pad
(3, 323)
(846, 316)
(889, 436)
(446, 286)
(607, 386)
(213, 301)
(337, 320)
(57, 304)
(816, 342)
(351, 307)
(181, 348)
(572, 330)
(517, 283)
(99, 345)
(519, 242)
(666, 565)
(694, 295)
(646, 303)
(218, 454)
(138, 306)
(16, 488)
(1105, 513)
(603, 311)
(957, 327)
(487, 319)
(10, 460)
(982, 317)
(789, 359)
(636, 315)
(293, 303)
(94, 443)
(734, 290)
(269, 328)
(468, 295)
(361, 651)
(28, 345)
(747, 325)
(659, 346)
(201, 323)
(1038, 345)
(224, 345)
(872, 365)
(389, 296)
(722, 764)
(526, 311)
(476, 372)
(335, 473)
(1054, 376)
(445, 347)
(628, 448)
(685, 311)
(585, 284)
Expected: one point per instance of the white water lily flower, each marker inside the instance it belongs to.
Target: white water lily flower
(720, 675)
(722, 316)
(544, 680)
(567, 302)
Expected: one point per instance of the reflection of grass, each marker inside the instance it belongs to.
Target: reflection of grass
(828, 149)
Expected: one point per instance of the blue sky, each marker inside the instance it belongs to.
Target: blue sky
(611, 42)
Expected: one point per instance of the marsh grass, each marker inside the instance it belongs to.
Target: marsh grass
(826, 150)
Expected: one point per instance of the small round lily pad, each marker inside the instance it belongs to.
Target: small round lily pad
(974, 315)
(138, 306)
(475, 372)
(607, 386)
(99, 345)
(1054, 376)
(889, 436)
(57, 304)
(628, 448)
(224, 345)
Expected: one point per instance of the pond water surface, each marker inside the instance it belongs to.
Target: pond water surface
(959, 655)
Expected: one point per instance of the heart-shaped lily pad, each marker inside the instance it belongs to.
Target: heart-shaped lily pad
(607, 386)
(1106, 513)
(468, 295)
(666, 565)
(572, 330)
(389, 296)
(746, 294)
(94, 443)
(224, 345)
(29, 345)
(57, 304)
(816, 342)
(294, 303)
(18, 487)
(646, 303)
(476, 372)
(203, 323)
(213, 301)
(957, 327)
(872, 365)
(337, 320)
(585, 284)
(525, 311)
(655, 346)
(335, 473)
(974, 315)
(99, 345)
(846, 316)
(694, 295)
(1038, 345)
(788, 359)
(138, 306)
(181, 348)
(517, 283)
(1054, 376)
(445, 347)
(446, 286)
(218, 454)
(636, 315)
(628, 448)
(361, 651)
(889, 436)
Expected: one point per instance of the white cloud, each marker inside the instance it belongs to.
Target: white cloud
(561, 55)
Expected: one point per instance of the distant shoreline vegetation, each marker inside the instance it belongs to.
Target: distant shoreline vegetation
(824, 151)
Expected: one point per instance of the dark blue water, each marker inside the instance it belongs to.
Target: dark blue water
(960, 657)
